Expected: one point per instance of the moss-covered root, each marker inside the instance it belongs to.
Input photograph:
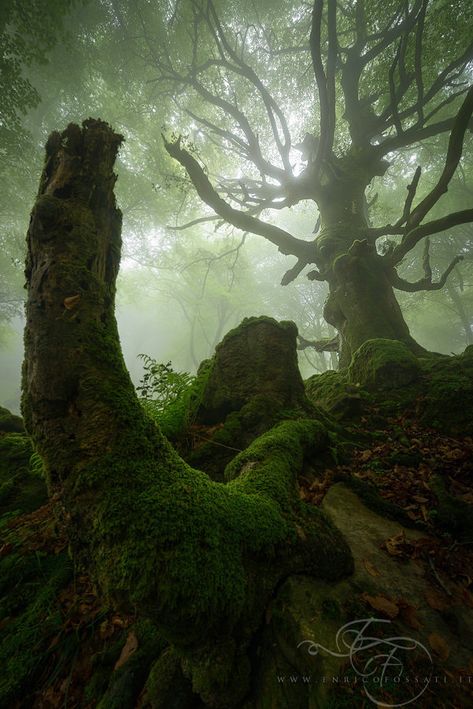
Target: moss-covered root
(203, 558)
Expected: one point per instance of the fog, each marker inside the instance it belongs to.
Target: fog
(182, 289)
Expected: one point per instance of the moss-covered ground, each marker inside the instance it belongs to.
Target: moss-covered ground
(402, 440)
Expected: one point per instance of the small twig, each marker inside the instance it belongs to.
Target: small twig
(437, 577)
(215, 443)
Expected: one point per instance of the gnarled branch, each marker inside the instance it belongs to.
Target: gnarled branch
(326, 344)
(286, 243)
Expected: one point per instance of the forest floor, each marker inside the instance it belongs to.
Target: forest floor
(85, 643)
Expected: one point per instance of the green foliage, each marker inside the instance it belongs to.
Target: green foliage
(21, 488)
(161, 384)
(171, 398)
(29, 585)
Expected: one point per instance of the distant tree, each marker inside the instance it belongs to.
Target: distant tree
(387, 77)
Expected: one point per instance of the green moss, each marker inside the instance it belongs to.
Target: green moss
(447, 396)
(126, 683)
(9, 422)
(239, 429)
(373, 500)
(155, 532)
(383, 364)
(332, 391)
(22, 489)
(166, 686)
(453, 515)
(29, 586)
(258, 358)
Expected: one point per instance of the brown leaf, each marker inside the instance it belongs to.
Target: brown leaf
(467, 497)
(128, 649)
(419, 498)
(408, 614)
(382, 604)
(436, 600)
(393, 543)
(439, 646)
(5, 549)
(372, 570)
(71, 301)
(467, 597)
(365, 456)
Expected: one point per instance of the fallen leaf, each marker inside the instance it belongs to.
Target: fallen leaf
(439, 645)
(372, 570)
(436, 600)
(408, 614)
(128, 649)
(393, 543)
(467, 497)
(467, 597)
(71, 302)
(382, 604)
(5, 549)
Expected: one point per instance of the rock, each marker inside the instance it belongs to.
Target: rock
(258, 358)
(447, 396)
(304, 662)
(384, 364)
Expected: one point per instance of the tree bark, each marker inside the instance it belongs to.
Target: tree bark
(361, 304)
(200, 558)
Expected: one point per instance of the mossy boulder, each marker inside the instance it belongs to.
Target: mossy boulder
(384, 364)
(10, 423)
(447, 397)
(333, 392)
(258, 358)
(305, 647)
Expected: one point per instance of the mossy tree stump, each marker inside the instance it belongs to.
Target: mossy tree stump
(198, 557)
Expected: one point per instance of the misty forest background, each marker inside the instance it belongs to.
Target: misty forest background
(179, 289)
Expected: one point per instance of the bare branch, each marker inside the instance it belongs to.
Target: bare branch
(411, 193)
(416, 135)
(293, 272)
(424, 283)
(433, 227)
(418, 61)
(325, 82)
(286, 243)
(245, 70)
(194, 222)
(454, 153)
(327, 344)
(391, 33)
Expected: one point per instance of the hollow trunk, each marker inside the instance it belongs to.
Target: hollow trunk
(201, 559)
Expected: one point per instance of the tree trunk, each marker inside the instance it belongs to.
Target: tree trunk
(361, 304)
(200, 558)
(457, 301)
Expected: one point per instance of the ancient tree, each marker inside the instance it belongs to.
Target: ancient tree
(198, 557)
(387, 78)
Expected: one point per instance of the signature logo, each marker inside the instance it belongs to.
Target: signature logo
(377, 661)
